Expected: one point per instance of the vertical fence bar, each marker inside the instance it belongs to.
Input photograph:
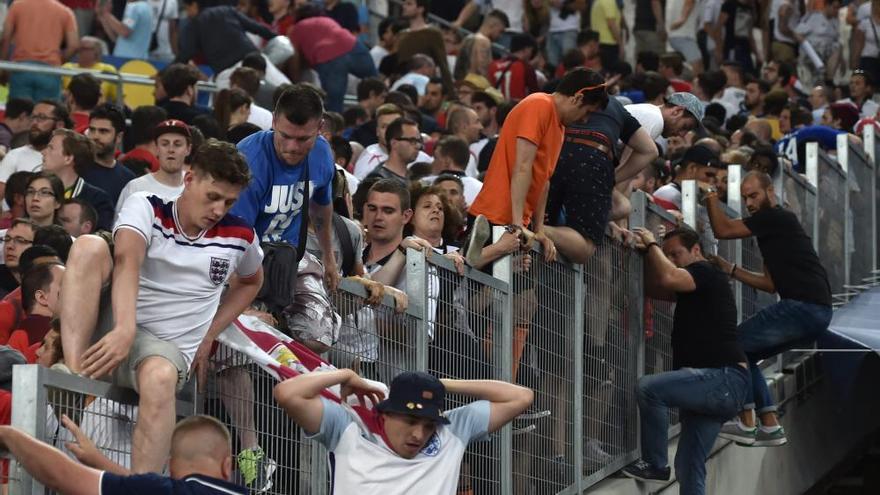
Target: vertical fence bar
(503, 271)
(29, 402)
(580, 327)
(416, 283)
(870, 143)
(843, 161)
(639, 204)
(734, 201)
(813, 178)
(689, 202)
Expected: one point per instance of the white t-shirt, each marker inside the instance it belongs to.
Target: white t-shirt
(366, 465)
(351, 181)
(472, 187)
(419, 81)
(819, 29)
(373, 155)
(793, 19)
(23, 159)
(260, 117)
(163, 36)
(649, 116)
(274, 76)
(864, 11)
(514, 10)
(570, 23)
(182, 278)
(378, 52)
(674, 9)
(148, 183)
(669, 193)
(870, 49)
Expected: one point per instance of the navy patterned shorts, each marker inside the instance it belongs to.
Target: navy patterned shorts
(580, 191)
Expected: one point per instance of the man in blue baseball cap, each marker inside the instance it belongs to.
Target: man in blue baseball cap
(407, 442)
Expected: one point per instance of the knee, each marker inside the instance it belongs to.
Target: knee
(643, 389)
(157, 381)
(87, 252)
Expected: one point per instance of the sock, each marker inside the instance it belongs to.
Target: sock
(770, 429)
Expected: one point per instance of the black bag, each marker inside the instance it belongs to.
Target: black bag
(154, 38)
(281, 262)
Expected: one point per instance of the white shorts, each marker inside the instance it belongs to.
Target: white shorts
(687, 47)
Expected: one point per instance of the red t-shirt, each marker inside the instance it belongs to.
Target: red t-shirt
(321, 39)
(513, 77)
(80, 121)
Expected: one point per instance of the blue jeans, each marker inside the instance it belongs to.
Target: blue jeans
(34, 86)
(558, 44)
(334, 74)
(775, 329)
(706, 398)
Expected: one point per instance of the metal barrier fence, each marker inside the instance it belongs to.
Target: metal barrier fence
(580, 336)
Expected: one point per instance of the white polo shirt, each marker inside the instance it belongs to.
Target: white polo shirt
(364, 463)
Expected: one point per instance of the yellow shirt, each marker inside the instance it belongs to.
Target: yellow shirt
(601, 13)
(108, 89)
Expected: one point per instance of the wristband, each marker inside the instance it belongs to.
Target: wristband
(655, 243)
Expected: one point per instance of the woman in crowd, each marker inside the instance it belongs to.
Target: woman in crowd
(43, 198)
(232, 107)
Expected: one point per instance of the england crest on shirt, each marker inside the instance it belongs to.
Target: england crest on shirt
(432, 448)
(219, 269)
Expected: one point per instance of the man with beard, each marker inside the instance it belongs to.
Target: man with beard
(106, 125)
(173, 145)
(47, 116)
(679, 114)
(65, 156)
(432, 102)
(792, 269)
(753, 104)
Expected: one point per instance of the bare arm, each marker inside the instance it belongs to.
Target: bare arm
(723, 226)
(858, 44)
(321, 217)
(785, 11)
(644, 151)
(507, 400)
(49, 465)
(300, 396)
(71, 43)
(172, 35)
(522, 178)
(760, 281)
(113, 26)
(657, 9)
(620, 206)
(466, 13)
(686, 11)
(669, 276)
(87, 453)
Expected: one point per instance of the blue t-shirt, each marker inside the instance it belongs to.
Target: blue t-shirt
(154, 484)
(274, 199)
(109, 180)
(793, 145)
(139, 18)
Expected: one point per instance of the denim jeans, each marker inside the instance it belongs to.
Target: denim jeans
(706, 398)
(34, 86)
(334, 74)
(558, 44)
(772, 330)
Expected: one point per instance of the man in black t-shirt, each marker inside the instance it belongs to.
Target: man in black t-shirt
(710, 380)
(791, 269)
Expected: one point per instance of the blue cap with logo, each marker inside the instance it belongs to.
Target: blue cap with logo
(416, 393)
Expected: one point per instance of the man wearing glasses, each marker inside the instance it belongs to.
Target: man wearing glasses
(47, 116)
(15, 240)
(404, 143)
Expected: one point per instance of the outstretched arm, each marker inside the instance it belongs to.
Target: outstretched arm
(723, 226)
(507, 400)
(49, 465)
(87, 453)
(300, 396)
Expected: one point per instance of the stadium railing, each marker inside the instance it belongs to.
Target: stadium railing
(580, 336)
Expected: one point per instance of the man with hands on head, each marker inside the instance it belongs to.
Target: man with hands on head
(406, 443)
(793, 270)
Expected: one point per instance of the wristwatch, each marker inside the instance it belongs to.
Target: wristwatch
(711, 190)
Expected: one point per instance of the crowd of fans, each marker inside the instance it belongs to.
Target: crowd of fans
(709, 84)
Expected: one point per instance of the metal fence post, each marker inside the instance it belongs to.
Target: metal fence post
(416, 288)
(734, 201)
(843, 160)
(813, 178)
(29, 401)
(870, 141)
(580, 327)
(503, 271)
(639, 204)
(689, 202)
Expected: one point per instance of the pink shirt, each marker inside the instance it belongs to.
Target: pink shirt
(38, 28)
(321, 39)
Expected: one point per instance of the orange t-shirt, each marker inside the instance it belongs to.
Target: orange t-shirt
(534, 119)
(38, 29)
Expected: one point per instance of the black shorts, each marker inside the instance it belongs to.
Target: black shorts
(580, 191)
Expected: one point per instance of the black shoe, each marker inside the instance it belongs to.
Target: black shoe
(643, 471)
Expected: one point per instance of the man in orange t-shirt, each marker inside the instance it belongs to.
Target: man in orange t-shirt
(515, 188)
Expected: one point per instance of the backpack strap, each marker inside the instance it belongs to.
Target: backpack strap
(345, 242)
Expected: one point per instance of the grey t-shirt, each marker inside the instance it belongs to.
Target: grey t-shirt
(357, 242)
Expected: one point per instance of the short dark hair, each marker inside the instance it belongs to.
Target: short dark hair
(111, 112)
(648, 60)
(85, 89)
(241, 131)
(36, 278)
(279, 90)
(87, 212)
(763, 178)
(223, 162)
(711, 82)
(59, 111)
(353, 114)
(247, 79)
(763, 86)
(767, 154)
(54, 182)
(209, 126)
(392, 186)
(341, 148)
(425, 4)
(577, 79)
(16, 184)
(15, 107)
(395, 129)
(410, 91)
(300, 104)
(81, 148)
(521, 41)
(334, 122)
(673, 60)
(686, 235)
(653, 84)
(455, 148)
(370, 86)
(143, 123)
(500, 16)
(587, 36)
(177, 78)
(56, 238)
(254, 60)
(449, 177)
